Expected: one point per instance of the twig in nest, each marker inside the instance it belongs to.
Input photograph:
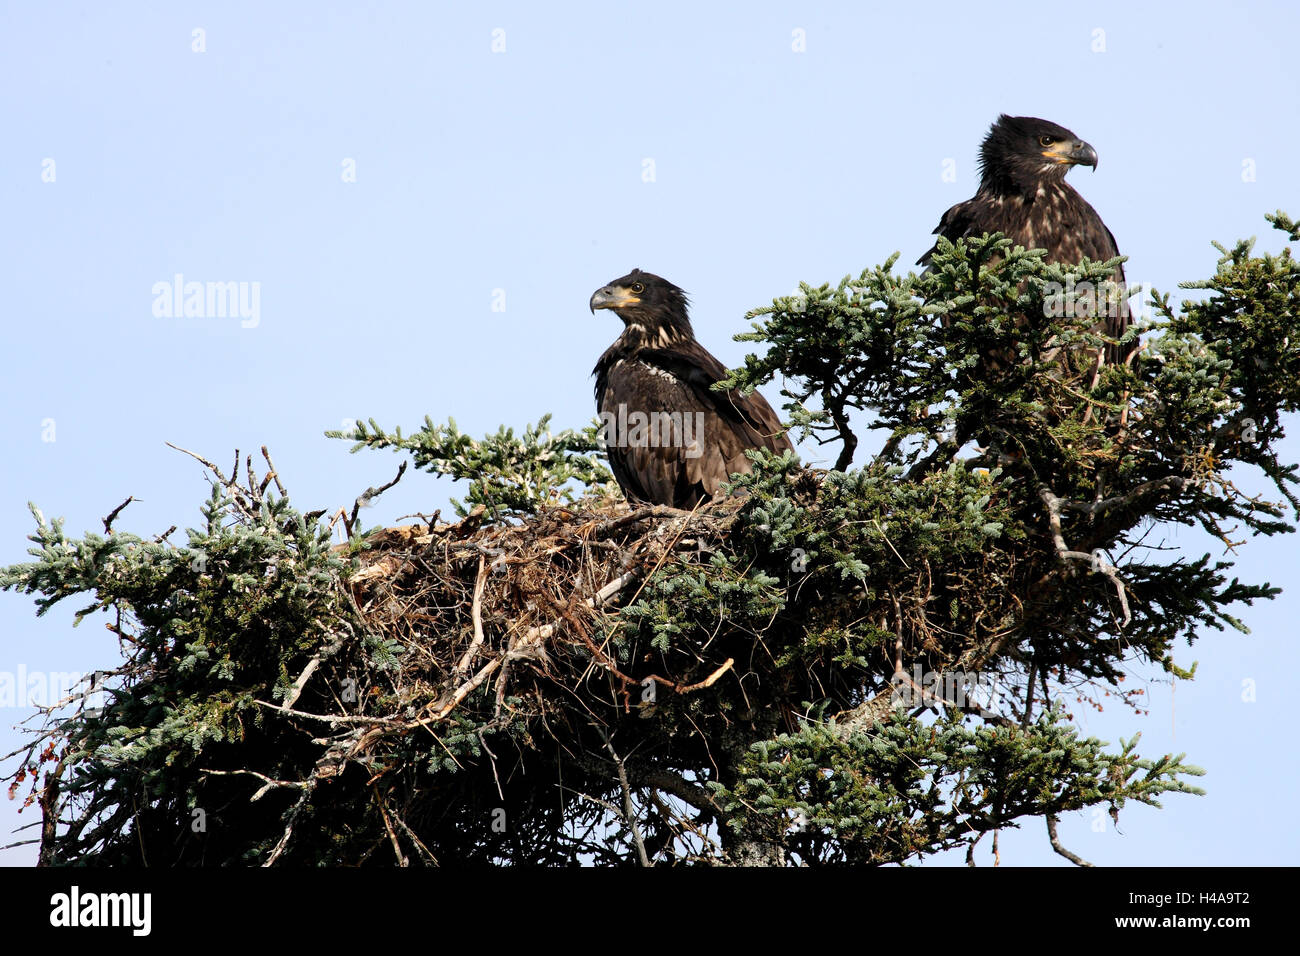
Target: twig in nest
(686, 688)
(710, 680)
(687, 516)
(464, 691)
(347, 719)
(612, 588)
(600, 529)
(296, 691)
(370, 494)
(476, 613)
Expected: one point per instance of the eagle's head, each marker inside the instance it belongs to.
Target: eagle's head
(651, 307)
(1022, 152)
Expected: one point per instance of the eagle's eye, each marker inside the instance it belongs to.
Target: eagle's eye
(638, 288)
(1046, 140)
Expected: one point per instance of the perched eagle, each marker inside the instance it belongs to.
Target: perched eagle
(670, 438)
(1023, 195)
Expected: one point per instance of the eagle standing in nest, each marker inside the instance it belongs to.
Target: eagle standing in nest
(1023, 195)
(671, 439)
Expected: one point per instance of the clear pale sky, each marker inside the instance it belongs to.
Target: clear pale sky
(735, 149)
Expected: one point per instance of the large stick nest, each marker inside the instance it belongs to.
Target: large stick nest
(507, 629)
(508, 606)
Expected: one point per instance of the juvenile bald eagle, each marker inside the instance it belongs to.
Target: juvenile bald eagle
(670, 438)
(1023, 195)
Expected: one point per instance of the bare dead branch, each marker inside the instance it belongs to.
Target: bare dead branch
(370, 494)
(629, 813)
(1063, 551)
(270, 784)
(108, 522)
(1056, 843)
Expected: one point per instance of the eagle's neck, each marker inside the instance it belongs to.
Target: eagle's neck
(639, 334)
(1025, 185)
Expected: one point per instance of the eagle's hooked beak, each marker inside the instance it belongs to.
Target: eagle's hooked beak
(1073, 152)
(612, 297)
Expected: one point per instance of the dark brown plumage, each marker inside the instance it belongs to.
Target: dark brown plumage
(670, 438)
(1023, 195)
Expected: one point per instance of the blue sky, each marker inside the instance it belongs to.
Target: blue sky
(734, 148)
